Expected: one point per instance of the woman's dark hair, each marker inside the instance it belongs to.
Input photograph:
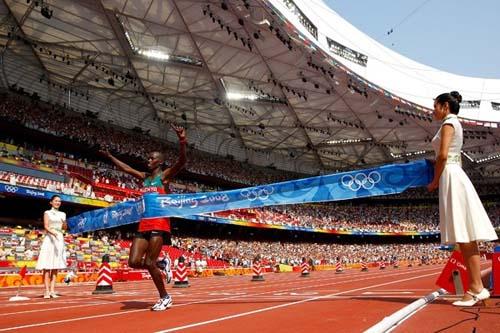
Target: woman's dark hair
(453, 99)
(54, 196)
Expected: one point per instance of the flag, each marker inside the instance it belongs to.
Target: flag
(23, 271)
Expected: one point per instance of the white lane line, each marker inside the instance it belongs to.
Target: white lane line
(234, 294)
(105, 315)
(71, 320)
(173, 329)
(243, 285)
(88, 303)
(171, 292)
(225, 298)
(75, 306)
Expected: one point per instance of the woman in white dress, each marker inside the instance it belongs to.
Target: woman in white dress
(52, 252)
(462, 217)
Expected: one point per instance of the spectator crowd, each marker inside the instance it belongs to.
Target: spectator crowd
(24, 244)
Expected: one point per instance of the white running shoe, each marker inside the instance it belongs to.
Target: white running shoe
(163, 304)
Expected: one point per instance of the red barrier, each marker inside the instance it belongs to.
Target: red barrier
(454, 275)
(104, 283)
(304, 269)
(338, 267)
(181, 276)
(257, 272)
(495, 271)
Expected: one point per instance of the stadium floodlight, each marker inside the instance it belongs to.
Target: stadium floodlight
(154, 54)
(488, 158)
(409, 154)
(148, 53)
(241, 96)
(129, 39)
(347, 141)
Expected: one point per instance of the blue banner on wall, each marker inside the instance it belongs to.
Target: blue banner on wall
(25, 191)
(43, 194)
(384, 180)
(319, 229)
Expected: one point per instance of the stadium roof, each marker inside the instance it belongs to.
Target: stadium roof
(248, 78)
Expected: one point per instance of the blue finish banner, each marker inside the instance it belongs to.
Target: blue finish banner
(122, 213)
(384, 180)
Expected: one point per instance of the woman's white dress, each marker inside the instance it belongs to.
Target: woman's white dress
(462, 217)
(52, 252)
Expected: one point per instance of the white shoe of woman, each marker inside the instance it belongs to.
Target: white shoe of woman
(484, 294)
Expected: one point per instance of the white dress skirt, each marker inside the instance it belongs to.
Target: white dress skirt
(52, 252)
(462, 217)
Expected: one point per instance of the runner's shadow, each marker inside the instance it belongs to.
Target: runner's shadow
(136, 305)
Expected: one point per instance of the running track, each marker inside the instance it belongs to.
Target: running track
(324, 302)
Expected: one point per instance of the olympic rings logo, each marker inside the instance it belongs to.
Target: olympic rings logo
(254, 194)
(11, 189)
(361, 180)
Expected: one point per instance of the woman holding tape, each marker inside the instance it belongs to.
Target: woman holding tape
(462, 217)
(153, 233)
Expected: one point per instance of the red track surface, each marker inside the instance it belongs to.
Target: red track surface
(324, 302)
